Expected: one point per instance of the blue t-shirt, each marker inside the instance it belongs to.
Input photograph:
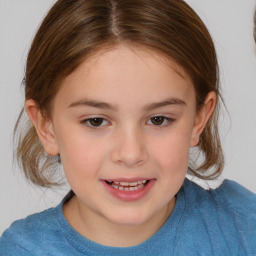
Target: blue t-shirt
(217, 222)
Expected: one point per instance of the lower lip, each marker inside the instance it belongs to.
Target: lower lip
(129, 195)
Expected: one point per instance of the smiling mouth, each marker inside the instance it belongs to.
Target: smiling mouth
(127, 186)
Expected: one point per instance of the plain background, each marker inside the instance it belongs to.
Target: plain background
(231, 24)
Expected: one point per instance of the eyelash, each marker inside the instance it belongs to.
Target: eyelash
(88, 122)
(166, 120)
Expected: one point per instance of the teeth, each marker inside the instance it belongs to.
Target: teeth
(128, 188)
(126, 184)
(132, 184)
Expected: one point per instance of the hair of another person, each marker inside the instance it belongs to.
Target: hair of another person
(73, 30)
(254, 26)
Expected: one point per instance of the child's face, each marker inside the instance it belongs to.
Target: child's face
(125, 115)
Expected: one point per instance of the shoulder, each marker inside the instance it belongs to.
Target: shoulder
(229, 198)
(25, 235)
(235, 197)
(226, 215)
(237, 202)
(229, 195)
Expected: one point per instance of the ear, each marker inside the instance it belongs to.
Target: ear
(202, 117)
(44, 127)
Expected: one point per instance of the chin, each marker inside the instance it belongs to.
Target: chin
(129, 218)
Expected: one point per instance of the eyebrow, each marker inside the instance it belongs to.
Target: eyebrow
(167, 102)
(93, 103)
(104, 105)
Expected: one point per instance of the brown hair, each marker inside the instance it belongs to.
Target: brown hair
(254, 27)
(73, 29)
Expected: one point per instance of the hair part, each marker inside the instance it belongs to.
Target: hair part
(73, 30)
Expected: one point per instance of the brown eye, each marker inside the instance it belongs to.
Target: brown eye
(95, 121)
(161, 121)
(157, 120)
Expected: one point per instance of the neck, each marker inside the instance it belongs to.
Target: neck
(107, 233)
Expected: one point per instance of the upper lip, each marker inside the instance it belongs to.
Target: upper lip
(128, 179)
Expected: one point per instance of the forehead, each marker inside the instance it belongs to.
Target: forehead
(123, 53)
(137, 73)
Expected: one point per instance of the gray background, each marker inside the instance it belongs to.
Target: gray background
(230, 23)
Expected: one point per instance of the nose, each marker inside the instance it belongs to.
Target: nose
(129, 148)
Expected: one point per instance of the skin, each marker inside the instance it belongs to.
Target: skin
(127, 144)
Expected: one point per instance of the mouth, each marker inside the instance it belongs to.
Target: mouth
(129, 190)
(127, 186)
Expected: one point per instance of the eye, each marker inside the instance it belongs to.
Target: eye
(95, 122)
(160, 121)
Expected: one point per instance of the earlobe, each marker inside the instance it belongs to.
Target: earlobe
(202, 118)
(43, 126)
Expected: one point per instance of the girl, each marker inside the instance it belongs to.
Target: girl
(118, 93)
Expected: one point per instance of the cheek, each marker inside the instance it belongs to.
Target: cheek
(82, 164)
(81, 155)
(172, 151)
